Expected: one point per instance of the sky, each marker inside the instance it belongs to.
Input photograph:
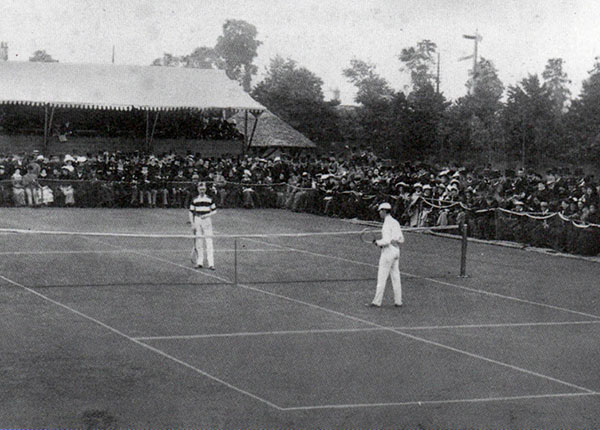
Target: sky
(519, 36)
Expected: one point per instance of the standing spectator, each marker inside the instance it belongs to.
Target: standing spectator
(18, 190)
(31, 186)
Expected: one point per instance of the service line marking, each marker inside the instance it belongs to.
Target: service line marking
(356, 330)
(438, 402)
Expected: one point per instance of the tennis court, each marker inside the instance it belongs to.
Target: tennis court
(111, 330)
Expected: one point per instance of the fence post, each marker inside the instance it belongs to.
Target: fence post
(463, 252)
(496, 224)
(235, 277)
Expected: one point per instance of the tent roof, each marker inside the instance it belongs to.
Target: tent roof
(110, 86)
(272, 131)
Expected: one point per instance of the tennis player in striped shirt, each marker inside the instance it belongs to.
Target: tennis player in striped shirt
(202, 209)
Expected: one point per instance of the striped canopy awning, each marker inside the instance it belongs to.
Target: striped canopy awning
(118, 87)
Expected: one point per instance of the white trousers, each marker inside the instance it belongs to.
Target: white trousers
(203, 227)
(388, 267)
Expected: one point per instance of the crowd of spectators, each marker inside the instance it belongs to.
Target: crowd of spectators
(348, 186)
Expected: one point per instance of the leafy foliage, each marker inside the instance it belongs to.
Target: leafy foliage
(234, 52)
(238, 47)
(41, 56)
(529, 120)
(556, 81)
(371, 87)
(295, 94)
(419, 61)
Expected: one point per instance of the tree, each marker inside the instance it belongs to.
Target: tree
(168, 60)
(581, 121)
(471, 124)
(371, 87)
(381, 113)
(238, 48)
(203, 57)
(41, 56)
(486, 88)
(555, 79)
(426, 108)
(295, 94)
(530, 121)
(419, 61)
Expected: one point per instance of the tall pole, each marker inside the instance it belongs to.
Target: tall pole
(476, 38)
(147, 143)
(475, 58)
(45, 127)
(246, 138)
(463, 252)
(437, 77)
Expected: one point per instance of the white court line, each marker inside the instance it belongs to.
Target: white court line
(354, 330)
(437, 402)
(259, 333)
(372, 324)
(143, 345)
(449, 284)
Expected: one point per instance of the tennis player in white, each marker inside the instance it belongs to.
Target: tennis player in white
(201, 209)
(391, 237)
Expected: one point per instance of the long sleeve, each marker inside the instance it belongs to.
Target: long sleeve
(398, 235)
(391, 233)
(386, 234)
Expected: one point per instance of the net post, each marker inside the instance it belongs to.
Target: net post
(235, 280)
(496, 224)
(463, 252)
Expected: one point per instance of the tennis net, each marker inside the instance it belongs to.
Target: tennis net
(46, 258)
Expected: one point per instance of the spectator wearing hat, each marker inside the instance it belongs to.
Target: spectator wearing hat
(414, 206)
(66, 188)
(389, 260)
(31, 186)
(5, 190)
(17, 186)
(249, 197)
(220, 185)
(425, 209)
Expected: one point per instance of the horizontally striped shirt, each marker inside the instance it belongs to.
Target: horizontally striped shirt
(202, 205)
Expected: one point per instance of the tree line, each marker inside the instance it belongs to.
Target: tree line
(534, 122)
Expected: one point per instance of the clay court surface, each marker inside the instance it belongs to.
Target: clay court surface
(110, 331)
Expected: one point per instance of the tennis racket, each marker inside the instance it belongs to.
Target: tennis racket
(194, 255)
(368, 235)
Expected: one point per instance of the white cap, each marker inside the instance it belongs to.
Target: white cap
(384, 206)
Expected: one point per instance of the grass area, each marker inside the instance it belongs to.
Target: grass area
(103, 332)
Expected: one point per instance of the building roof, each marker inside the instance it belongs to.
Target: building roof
(110, 86)
(272, 131)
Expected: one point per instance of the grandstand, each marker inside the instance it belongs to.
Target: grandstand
(118, 106)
